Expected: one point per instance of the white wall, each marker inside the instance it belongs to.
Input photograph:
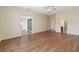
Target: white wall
(10, 22)
(40, 23)
(52, 22)
(72, 18)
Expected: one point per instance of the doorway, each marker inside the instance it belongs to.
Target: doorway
(26, 29)
(63, 26)
(26, 25)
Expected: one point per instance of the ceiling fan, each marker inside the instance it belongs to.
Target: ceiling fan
(49, 8)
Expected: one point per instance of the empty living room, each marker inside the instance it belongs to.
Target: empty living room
(39, 28)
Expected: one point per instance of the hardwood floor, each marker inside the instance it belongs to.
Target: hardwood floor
(42, 42)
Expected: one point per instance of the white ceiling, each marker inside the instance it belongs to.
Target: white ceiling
(39, 9)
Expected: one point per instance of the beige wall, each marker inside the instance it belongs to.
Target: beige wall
(10, 22)
(52, 22)
(72, 19)
(40, 23)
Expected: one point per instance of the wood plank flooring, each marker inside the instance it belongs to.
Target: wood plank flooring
(42, 42)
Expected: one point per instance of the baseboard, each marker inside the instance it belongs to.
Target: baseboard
(72, 34)
(39, 32)
(21, 36)
(68, 33)
(10, 38)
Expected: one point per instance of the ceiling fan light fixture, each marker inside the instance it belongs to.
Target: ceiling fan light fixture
(49, 8)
